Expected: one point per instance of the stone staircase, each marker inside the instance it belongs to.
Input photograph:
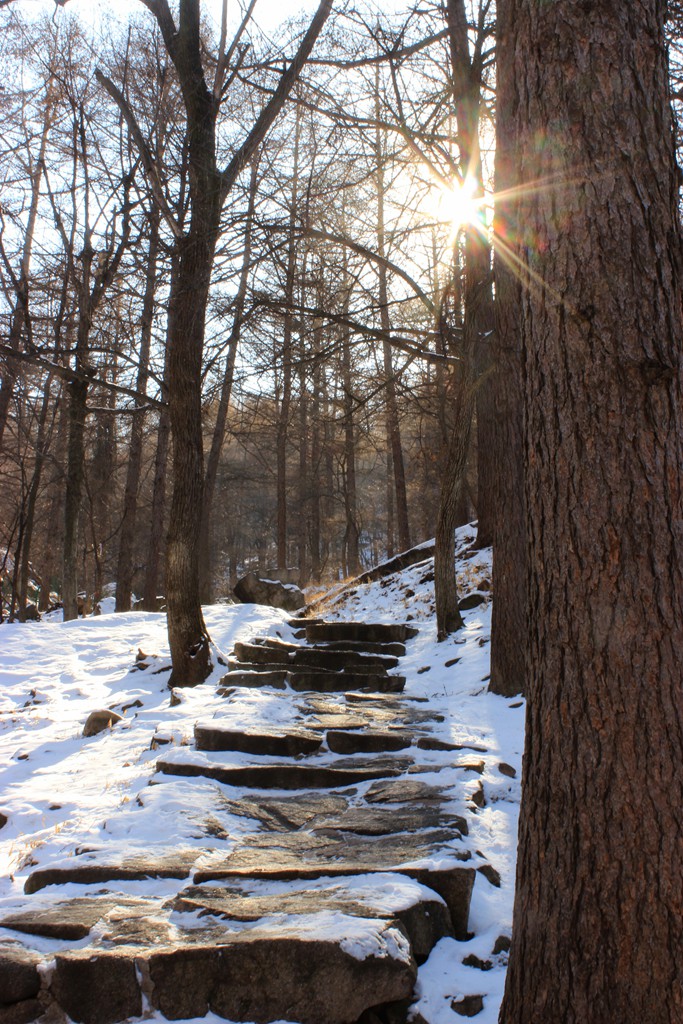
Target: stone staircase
(310, 893)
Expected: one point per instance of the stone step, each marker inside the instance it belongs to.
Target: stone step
(259, 654)
(336, 660)
(342, 682)
(431, 858)
(326, 972)
(95, 867)
(114, 918)
(361, 632)
(319, 657)
(422, 913)
(396, 649)
(275, 677)
(275, 743)
(367, 741)
(278, 776)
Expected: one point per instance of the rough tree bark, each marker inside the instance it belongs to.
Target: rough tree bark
(598, 918)
(509, 614)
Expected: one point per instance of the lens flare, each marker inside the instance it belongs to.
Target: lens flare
(461, 206)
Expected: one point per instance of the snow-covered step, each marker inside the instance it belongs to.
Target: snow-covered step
(256, 676)
(341, 659)
(366, 741)
(260, 654)
(434, 858)
(394, 648)
(97, 866)
(362, 632)
(278, 775)
(317, 969)
(341, 682)
(422, 913)
(212, 735)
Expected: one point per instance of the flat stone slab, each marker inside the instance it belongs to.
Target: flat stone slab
(278, 776)
(422, 913)
(395, 648)
(74, 919)
(361, 632)
(341, 682)
(314, 972)
(381, 821)
(401, 790)
(338, 660)
(88, 868)
(368, 741)
(276, 743)
(289, 813)
(242, 677)
(258, 654)
(314, 855)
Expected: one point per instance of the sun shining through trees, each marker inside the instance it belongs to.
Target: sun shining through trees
(461, 207)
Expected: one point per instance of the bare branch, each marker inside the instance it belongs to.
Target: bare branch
(143, 149)
(277, 100)
(225, 58)
(69, 375)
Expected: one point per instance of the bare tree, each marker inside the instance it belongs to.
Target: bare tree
(209, 187)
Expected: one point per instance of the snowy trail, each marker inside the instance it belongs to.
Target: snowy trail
(61, 792)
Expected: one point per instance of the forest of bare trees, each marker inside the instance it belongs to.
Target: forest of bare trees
(257, 313)
(323, 381)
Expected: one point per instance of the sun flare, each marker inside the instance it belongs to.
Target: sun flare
(461, 206)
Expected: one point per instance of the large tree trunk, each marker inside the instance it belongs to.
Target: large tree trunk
(598, 918)
(509, 613)
(187, 633)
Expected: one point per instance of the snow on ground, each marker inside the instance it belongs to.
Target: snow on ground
(61, 792)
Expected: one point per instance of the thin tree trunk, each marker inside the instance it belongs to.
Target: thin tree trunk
(20, 314)
(302, 518)
(125, 568)
(476, 325)
(219, 430)
(390, 490)
(155, 543)
(42, 443)
(351, 535)
(598, 916)
(316, 456)
(286, 367)
(392, 417)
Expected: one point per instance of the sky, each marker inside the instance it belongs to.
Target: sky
(268, 13)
